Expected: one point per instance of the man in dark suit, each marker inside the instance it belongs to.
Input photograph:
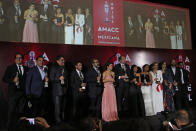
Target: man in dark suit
(173, 77)
(130, 31)
(94, 85)
(122, 74)
(16, 21)
(45, 22)
(139, 30)
(15, 76)
(58, 77)
(35, 84)
(78, 85)
(184, 83)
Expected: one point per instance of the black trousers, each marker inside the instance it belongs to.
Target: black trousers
(181, 98)
(15, 32)
(80, 106)
(45, 32)
(16, 104)
(59, 108)
(136, 107)
(95, 106)
(121, 94)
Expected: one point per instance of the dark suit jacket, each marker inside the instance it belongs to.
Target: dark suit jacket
(94, 88)
(55, 73)
(12, 13)
(120, 72)
(48, 13)
(171, 77)
(34, 82)
(185, 76)
(76, 83)
(9, 75)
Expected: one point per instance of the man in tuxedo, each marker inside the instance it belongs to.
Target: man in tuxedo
(173, 77)
(184, 83)
(58, 77)
(35, 84)
(16, 21)
(130, 31)
(78, 84)
(45, 22)
(94, 85)
(15, 76)
(139, 29)
(122, 74)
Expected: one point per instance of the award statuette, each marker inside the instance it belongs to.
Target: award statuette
(106, 7)
(82, 80)
(17, 83)
(62, 81)
(145, 82)
(46, 75)
(157, 80)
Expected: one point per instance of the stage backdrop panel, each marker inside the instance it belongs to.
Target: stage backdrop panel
(72, 53)
(121, 23)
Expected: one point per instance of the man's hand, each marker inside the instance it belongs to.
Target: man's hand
(175, 84)
(61, 78)
(126, 80)
(83, 84)
(46, 79)
(80, 90)
(16, 79)
(123, 77)
(98, 78)
(41, 121)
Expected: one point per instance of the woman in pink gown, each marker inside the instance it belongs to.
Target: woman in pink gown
(30, 32)
(150, 42)
(109, 105)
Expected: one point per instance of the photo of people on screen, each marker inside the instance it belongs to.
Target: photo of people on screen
(150, 26)
(47, 21)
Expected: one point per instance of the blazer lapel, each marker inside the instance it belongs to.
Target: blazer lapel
(38, 72)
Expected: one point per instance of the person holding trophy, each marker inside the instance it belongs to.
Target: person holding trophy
(58, 77)
(15, 76)
(93, 78)
(136, 106)
(35, 81)
(157, 89)
(78, 84)
(122, 75)
(146, 88)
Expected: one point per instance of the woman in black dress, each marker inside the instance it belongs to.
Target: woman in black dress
(168, 91)
(57, 27)
(135, 99)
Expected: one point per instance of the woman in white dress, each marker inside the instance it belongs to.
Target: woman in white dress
(79, 29)
(179, 35)
(172, 31)
(69, 22)
(146, 81)
(157, 89)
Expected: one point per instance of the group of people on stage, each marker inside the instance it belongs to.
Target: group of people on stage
(45, 24)
(107, 95)
(156, 32)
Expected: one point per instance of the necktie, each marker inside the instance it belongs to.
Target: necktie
(81, 76)
(123, 66)
(20, 70)
(182, 77)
